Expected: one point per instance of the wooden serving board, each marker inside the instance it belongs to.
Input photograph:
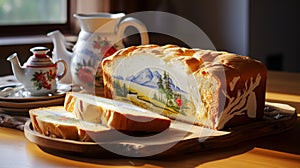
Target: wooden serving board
(180, 137)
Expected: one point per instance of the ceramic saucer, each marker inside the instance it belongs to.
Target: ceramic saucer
(21, 95)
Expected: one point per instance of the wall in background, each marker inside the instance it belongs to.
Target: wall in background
(275, 33)
(225, 22)
(22, 45)
(267, 30)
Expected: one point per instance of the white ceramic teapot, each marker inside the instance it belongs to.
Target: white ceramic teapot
(39, 73)
(100, 36)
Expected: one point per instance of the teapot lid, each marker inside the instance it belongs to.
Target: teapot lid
(41, 51)
(40, 57)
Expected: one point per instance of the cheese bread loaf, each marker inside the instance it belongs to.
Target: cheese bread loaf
(214, 89)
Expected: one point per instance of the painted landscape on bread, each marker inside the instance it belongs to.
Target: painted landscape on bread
(152, 89)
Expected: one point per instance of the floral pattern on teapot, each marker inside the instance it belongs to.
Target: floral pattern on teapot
(43, 79)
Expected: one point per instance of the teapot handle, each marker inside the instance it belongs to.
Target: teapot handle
(59, 76)
(135, 23)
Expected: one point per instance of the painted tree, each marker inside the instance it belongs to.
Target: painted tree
(168, 90)
(168, 96)
(160, 88)
(124, 90)
(117, 88)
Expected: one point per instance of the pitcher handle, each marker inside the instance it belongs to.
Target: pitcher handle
(59, 76)
(138, 25)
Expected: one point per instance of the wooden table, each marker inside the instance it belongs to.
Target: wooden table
(281, 150)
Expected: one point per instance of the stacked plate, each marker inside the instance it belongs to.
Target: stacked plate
(14, 99)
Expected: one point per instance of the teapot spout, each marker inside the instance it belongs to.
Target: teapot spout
(60, 52)
(18, 71)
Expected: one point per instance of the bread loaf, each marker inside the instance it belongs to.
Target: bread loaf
(55, 122)
(209, 88)
(114, 114)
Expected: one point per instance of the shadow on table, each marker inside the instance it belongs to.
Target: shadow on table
(285, 142)
(175, 160)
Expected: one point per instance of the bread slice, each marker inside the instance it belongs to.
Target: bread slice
(114, 114)
(55, 122)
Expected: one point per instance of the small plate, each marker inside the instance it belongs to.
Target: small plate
(22, 95)
(32, 104)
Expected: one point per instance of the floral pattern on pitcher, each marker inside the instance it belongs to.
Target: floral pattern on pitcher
(105, 46)
(86, 74)
(85, 69)
(43, 79)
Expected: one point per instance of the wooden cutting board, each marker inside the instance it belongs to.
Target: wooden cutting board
(180, 137)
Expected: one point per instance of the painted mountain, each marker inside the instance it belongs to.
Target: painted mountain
(149, 78)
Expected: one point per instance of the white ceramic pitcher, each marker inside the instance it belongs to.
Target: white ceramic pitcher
(100, 36)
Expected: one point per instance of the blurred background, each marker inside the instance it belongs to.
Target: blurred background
(267, 30)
